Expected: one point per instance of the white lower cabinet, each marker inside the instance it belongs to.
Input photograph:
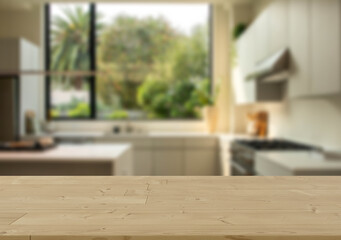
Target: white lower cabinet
(143, 164)
(168, 162)
(172, 156)
(201, 162)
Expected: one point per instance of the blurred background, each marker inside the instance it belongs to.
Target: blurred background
(209, 87)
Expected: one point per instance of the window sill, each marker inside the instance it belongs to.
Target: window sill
(135, 125)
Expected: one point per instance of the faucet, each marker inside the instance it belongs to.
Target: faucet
(129, 127)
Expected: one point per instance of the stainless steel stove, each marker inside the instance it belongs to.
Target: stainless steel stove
(243, 153)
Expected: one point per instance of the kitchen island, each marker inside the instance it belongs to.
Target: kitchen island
(203, 208)
(69, 160)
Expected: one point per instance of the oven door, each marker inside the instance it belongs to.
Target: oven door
(242, 163)
(238, 170)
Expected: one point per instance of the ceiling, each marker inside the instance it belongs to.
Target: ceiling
(27, 4)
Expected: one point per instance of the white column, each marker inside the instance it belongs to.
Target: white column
(221, 64)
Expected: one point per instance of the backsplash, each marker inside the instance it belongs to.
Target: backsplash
(136, 126)
(311, 120)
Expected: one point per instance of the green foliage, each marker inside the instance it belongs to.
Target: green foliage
(149, 65)
(119, 114)
(202, 94)
(70, 40)
(128, 50)
(239, 30)
(81, 110)
(132, 42)
(69, 44)
(180, 100)
(153, 98)
(55, 113)
(189, 57)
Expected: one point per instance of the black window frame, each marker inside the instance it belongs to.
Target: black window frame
(92, 55)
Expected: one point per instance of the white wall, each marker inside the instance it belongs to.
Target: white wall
(313, 120)
(23, 23)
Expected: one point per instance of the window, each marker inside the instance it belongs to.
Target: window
(152, 60)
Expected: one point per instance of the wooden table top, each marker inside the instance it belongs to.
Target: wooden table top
(186, 208)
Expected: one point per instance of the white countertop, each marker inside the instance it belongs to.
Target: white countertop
(67, 152)
(296, 163)
(103, 134)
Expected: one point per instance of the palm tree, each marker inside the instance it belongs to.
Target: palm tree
(70, 43)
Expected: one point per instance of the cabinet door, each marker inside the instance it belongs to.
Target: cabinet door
(245, 89)
(278, 25)
(326, 48)
(262, 36)
(242, 55)
(250, 84)
(142, 162)
(299, 38)
(168, 163)
(201, 162)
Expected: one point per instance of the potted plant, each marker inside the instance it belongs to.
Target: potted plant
(206, 101)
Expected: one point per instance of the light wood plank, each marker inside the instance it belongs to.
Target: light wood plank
(184, 208)
(8, 217)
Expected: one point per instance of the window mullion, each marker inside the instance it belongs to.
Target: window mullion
(92, 52)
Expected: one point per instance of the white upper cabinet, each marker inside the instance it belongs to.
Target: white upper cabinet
(244, 88)
(311, 29)
(261, 28)
(299, 36)
(278, 25)
(246, 52)
(325, 46)
(315, 46)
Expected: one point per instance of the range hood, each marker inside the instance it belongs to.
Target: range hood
(276, 68)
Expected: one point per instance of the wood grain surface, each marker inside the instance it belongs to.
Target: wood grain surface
(186, 208)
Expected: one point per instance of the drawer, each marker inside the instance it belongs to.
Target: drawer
(167, 142)
(201, 142)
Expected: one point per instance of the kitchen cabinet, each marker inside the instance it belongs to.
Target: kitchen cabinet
(315, 45)
(278, 25)
(270, 31)
(261, 27)
(171, 155)
(167, 156)
(299, 37)
(143, 164)
(246, 63)
(168, 162)
(311, 29)
(326, 47)
(199, 162)
(251, 90)
(266, 36)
